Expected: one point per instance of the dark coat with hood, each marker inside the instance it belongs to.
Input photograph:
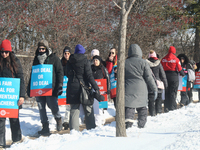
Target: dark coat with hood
(6, 72)
(78, 66)
(158, 71)
(57, 70)
(100, 72)
(137, 77)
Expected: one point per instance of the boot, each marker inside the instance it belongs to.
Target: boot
(65, 125)
(59, 124)
(128, 124)
(45, 129)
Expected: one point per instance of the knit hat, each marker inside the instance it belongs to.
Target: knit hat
(79, 49)
(94, 52)
(152, 54)
(6, 46)
(97, 57)
(67, 49)
(172, 49)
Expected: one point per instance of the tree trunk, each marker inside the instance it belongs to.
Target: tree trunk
(120, 110)
(196, 47)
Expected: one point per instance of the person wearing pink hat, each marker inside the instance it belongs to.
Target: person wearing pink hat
(10, 67)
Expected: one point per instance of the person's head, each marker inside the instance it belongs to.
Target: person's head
(43, 47)
(94, 52)
(5, 48)
(182, 60)
(152, 54)
(66, 52)
(97, 60)
(113, 52)
(79, 49)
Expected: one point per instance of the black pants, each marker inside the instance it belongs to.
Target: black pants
(155, 107)
(142, 115)
(170, 94)
(15, 130)
(184, 98)
(114, 100)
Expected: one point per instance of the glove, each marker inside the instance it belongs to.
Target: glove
(59, 92)
(155, 95)
(98, 96)
(108, 92)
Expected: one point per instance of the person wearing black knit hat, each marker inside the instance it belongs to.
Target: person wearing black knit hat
(64, 60)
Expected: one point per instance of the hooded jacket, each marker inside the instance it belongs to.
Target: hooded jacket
(137, 77)
(171, 63)
(78, 66)
(158, 71)
(58, 73)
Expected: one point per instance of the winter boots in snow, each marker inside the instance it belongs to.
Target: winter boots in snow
(65, 125)
(129, 124)
(59, 124)
(45, 129)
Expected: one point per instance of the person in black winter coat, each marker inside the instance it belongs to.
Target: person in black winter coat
(64, 60)
(79, 68)
(10, 67)
(44, 55)
(100, 72)
(185, 98)
(155, 107)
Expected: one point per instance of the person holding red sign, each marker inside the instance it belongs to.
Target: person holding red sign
(44, 55)
(100, 72)
(172, 67)
(111, 65)
(10, 67)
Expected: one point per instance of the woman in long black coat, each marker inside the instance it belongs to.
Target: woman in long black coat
(79, 66)
(10, 67)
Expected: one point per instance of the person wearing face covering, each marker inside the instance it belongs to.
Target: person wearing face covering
(44, 55)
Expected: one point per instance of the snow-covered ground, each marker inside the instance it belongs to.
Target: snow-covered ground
(176, 130)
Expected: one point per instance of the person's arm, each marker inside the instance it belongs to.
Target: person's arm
(108, 79)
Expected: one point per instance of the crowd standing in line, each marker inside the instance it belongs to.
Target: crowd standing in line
(44, 55)
(140, 84)
(10, 67)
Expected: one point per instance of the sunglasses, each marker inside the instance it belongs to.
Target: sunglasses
(41, 48)
(6, 52)
(112, 53)
(66, 53)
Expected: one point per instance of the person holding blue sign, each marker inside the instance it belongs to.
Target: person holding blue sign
(46, 89)
(64, 60)
(10, 67)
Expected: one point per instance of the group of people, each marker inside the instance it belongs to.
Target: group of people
(140, 84)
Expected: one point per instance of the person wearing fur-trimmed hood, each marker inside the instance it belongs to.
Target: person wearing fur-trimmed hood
(44, 55)
(155, 107)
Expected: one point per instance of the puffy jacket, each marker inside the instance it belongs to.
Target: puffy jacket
(78, 66)
(137, 77)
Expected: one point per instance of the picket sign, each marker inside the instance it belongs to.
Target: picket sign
(113, 83)
(62, 99)
(9, 96)
(41, 80)
(102, 84)
(182, 83)
(197, 80)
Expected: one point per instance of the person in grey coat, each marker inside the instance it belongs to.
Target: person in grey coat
(137, 77)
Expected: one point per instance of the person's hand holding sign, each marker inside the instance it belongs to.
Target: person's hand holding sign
(21, 101)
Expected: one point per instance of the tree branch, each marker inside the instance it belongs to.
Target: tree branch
(131, 5)
(117, 5)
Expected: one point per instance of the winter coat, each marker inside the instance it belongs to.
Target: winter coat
(100, 72)
(6, 72)
(171, 65)
(110, 65)
(187, 67)
(137, 77)
(58, 73)
(158, 71)
(78, 66)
